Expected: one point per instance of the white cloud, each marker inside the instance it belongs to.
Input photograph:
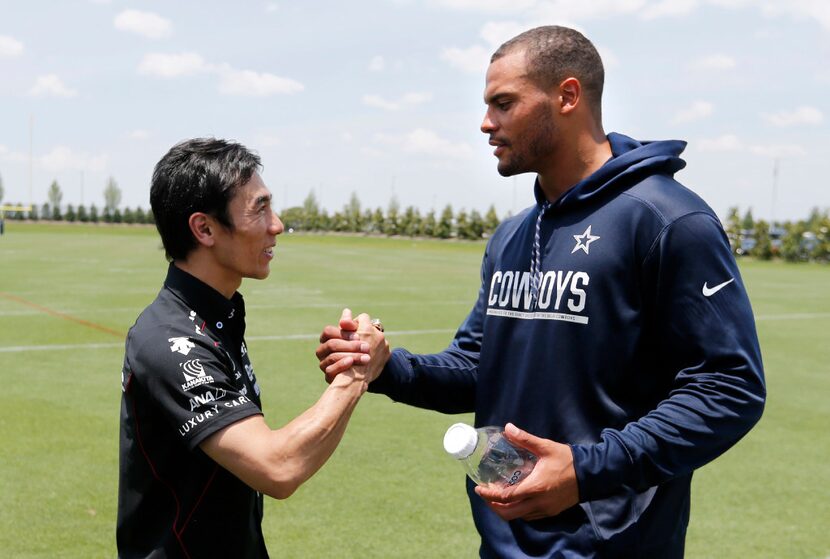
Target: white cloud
(139, 134)
(172, 65)
(51, 85)
(409, 99)
(782, 150)
(377, 64)
(10, 47)
(62, 158)
(495, 33)
(488, 6)
(428, 142)
(416, 98)
(696, 111)
(473, 60)
(146, 24)
(818, 10)
(247, 83)
(271, 7)
(727, 142)
(562, 11)
(715, 62)
(731, 143)
(669, 8)
(380, 103)
(801, 115)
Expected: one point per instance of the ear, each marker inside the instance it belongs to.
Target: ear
(570, 94)
(203, 228)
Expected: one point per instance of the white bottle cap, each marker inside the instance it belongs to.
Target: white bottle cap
(460, 440)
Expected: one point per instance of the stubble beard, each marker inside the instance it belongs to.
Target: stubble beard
(524, 156)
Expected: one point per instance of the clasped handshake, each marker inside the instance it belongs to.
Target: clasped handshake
(356, 347)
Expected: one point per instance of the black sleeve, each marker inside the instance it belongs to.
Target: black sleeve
(191, 381)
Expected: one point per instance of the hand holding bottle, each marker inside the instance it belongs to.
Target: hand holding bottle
(547, 491)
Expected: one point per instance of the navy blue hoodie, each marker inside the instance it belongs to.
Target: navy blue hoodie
(640, 352)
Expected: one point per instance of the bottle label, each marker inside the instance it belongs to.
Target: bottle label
(514, 479)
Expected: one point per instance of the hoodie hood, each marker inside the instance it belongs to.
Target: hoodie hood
(631, 160)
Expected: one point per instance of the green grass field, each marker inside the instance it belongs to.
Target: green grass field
(68, 294)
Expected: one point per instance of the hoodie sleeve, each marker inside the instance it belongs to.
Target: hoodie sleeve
(446, 381)
(707, 346)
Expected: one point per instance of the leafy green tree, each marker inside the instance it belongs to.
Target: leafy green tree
(46, 211)
(733, 229)
(293, 218)
(411, 222)
(149, 217)
(93, 214)
(428, 224)
(392, 223)
(443, 230)
(83, 217)
(748, 222)
(1, 188)
(55, 197)
(112, 198)
(791, 243)
(763, 244)
(366, 221)
(34, 215)
(140, 216)
(311, 212)
(128, 216)
(353, 215)
(476, 226)
(462, 225)
(378, 221)
(491, 221)
(70, 213)
(117, 217)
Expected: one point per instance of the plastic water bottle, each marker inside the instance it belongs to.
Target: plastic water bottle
(487, 456)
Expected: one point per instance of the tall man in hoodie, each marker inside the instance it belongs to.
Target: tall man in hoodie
(612, 325)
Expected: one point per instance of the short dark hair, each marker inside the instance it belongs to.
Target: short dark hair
(198, 175)
(554, 53)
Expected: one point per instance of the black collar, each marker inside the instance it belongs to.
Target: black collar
(212, 306)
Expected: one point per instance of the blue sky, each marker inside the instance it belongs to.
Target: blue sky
(383, 98)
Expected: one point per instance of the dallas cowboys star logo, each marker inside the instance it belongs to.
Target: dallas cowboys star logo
(584, 240)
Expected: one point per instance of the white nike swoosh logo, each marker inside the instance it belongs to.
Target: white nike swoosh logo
(709, 291)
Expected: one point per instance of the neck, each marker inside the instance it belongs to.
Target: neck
(202, 269)
(573, 161)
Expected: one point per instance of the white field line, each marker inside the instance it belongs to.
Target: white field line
(288, 337)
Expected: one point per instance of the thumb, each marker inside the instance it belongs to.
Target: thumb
(525, 440)
(347, 323)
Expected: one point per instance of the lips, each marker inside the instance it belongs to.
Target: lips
(500, 145)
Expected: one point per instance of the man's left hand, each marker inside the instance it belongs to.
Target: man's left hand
(549, 489)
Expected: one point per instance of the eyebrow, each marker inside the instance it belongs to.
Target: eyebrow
(264, 199)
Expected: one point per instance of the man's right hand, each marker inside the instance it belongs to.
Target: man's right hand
(343, 346)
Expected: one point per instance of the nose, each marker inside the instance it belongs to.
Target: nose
(487, 125)
(276, 226)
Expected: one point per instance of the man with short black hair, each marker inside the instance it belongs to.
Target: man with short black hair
(612, 325)
(195, 453)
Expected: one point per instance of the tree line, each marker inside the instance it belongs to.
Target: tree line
(308, 217)
(793, 241)
(804, 240)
